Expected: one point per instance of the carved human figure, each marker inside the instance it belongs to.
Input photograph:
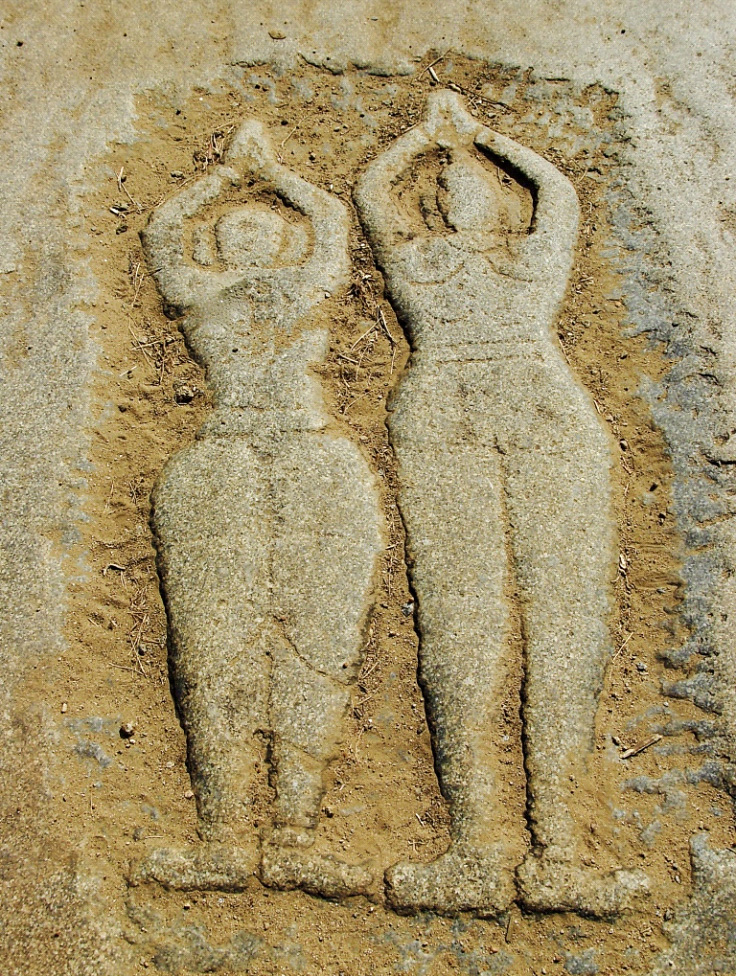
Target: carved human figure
(504, 472)
(267, 526)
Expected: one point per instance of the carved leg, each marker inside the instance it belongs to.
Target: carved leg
(307, 712)
(212, 537)
(325, 550)
(450, 498)
(558, 481)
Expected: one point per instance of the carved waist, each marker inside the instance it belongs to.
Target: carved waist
(499, 348)
(238, 421)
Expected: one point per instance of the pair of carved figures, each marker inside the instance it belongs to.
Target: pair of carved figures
(269, 529)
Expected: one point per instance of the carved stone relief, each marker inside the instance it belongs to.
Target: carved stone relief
(367, 539)
(268, 527)
(486, 419)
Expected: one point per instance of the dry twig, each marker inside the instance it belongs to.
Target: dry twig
(123, 189)
(629, 753)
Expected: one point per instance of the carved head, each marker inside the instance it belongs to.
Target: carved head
(466, 195)
(256, 236)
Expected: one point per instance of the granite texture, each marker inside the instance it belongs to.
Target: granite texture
(70, 81)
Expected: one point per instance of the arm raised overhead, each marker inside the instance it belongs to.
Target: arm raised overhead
(181, 283)
(382, 218)
(328, 264)
(556, 210)
(447, 124)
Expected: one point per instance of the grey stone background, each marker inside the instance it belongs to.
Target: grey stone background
(69, 73)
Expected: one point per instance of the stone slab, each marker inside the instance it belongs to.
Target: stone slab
(644, 87)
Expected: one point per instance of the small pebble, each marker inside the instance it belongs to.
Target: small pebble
(127, 730)
(184, 393)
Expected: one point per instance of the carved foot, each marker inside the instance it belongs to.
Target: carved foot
(458, 881)
(548, 885)
(317, 874)
(211, 867)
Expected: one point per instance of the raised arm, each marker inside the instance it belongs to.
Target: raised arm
(181, 283)
(448, 124)
(384, 223)
(556, 209)
(328, 263)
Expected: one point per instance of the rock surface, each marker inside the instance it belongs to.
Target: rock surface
(108, 112)
(504, 471)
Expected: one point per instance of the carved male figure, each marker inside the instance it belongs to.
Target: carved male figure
(267, 527)
(505, 482)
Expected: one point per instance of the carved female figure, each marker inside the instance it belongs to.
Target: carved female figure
(504, 471)
(267, 527)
